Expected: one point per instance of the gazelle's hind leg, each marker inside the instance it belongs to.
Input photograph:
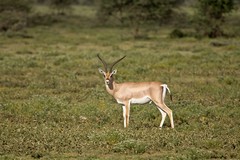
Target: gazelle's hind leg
(163, 117)
(167, 110)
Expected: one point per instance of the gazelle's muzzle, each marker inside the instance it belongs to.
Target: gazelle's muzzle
(107, 81)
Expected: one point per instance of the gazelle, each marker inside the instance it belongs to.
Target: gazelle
(136, 93)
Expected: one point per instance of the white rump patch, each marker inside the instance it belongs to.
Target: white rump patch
(165, 88)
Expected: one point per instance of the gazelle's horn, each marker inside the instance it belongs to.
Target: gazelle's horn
(111, 67)
(104, 63)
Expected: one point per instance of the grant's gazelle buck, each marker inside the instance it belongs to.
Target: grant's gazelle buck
(136, 93)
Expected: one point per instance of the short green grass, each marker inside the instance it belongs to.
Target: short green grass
(53, 103)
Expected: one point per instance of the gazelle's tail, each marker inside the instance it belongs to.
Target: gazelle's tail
(165, 87)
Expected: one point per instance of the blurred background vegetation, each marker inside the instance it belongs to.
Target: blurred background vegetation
(198, 18)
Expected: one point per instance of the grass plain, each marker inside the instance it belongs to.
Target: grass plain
(53, 103)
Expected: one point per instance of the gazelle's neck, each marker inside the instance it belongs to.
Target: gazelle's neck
(111, 87)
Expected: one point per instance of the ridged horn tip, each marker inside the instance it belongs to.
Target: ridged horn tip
(111, 67)
(103, 62)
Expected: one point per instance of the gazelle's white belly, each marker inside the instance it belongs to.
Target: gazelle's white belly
(142, 100)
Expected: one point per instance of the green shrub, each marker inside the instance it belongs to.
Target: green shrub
(210, 16)
(13, 14)
(177, 33)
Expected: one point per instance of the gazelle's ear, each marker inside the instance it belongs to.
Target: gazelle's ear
(114, 71)
(101, 71)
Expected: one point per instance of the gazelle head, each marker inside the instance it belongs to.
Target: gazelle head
(108, 74)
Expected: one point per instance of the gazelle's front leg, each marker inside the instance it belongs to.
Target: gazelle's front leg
(126, 114)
